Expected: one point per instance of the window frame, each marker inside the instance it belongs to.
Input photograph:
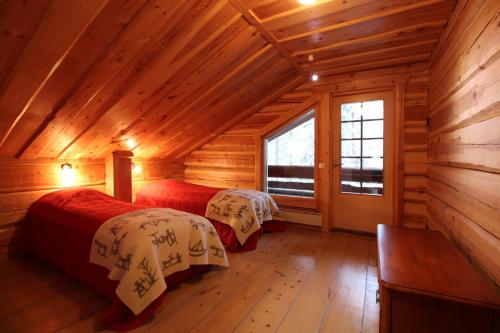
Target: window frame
(295, 202)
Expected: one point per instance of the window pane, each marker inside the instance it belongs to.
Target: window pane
(350, 111)
(373, 148)
(373, 163)
(373, 129)
(363, 122)
(351, 130)
(293, 147)
(373, 109)
(351, 148)
(350, 175)
(290, 159)
(351, 163)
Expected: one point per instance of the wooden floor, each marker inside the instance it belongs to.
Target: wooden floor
(297, 281)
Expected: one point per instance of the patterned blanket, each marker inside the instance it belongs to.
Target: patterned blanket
(243, 210)
(141, 247)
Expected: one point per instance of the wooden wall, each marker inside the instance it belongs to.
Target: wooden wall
(228, 160)
(416, 106)
(24, 181)
(153, 170)
(464, 133)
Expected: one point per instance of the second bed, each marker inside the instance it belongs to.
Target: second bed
(232, 212)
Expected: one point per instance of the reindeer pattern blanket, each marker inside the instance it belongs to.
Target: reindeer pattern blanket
(243, 210)
(140, 248)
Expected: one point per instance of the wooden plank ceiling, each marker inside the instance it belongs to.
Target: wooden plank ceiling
(80, 78)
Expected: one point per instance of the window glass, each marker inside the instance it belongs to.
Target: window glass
(362, 147)
(290, 159)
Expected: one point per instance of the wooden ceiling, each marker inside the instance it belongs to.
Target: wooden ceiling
(80, 78)
(352, 35)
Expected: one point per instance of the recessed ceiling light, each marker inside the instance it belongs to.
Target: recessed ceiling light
(306, 2)
(314, 77)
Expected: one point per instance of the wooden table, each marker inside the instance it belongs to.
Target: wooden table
(427, 285)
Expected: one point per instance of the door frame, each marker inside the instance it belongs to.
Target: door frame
(398, 151)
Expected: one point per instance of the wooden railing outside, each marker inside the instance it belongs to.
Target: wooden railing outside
(293, 180)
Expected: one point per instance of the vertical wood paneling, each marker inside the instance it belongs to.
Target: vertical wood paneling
(464, 140)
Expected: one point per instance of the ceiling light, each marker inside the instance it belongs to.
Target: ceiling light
(306, 2)
(314, 77)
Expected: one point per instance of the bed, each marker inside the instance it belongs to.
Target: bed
(62, 228)
(196, 199)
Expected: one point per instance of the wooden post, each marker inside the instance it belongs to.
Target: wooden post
(119, 175)
(325, 167)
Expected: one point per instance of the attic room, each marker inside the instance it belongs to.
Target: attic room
(250, 166)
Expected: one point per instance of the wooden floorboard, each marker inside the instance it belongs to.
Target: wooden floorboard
(297, 281)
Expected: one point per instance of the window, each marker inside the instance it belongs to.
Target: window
(290, 159)
(362, 147)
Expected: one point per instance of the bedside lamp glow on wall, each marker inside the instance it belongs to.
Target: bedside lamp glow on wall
(136, 168)
(68, 175)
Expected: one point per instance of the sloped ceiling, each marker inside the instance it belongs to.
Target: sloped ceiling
(79, 78)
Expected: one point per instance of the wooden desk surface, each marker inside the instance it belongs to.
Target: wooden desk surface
(425, 262)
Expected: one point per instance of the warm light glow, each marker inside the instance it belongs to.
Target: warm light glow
(68, 175)
(315, 77)
(306, 2)
(136, 168)
(131, 143)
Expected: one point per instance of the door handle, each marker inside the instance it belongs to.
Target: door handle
(336, 165)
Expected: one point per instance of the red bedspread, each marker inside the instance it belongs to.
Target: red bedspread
(194, 198)
(176, 194)
(59, 229)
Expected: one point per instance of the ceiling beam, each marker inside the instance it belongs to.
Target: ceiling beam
(374, 16)
(253, 20)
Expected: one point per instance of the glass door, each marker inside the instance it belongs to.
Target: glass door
(363, 161)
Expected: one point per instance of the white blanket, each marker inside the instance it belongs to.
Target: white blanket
(141, 248)
(243, 210)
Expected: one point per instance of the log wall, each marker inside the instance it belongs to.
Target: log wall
(24, 181)
(153, 170)
(464, 133)
(229, 160)
(416, 106)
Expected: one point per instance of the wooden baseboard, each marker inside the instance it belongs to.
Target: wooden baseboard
(355, 232)
(303, 226)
